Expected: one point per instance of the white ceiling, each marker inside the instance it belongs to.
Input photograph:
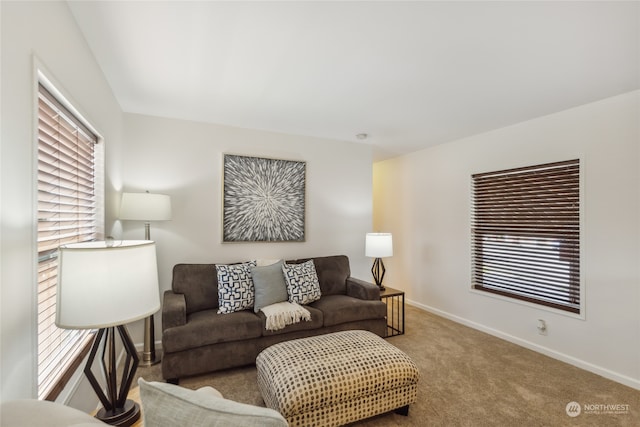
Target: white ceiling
(409, 74)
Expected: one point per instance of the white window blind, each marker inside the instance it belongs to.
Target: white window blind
(66, 214)
(526, 234)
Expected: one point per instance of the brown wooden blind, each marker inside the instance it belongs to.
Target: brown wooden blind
(66, 214)
(526, 234)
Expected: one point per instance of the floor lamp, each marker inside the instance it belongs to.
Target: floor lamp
(378, 246)
(146, 207)
(105, 285)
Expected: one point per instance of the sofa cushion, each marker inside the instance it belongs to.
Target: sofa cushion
(269, 285)
(302, 282)
(209, 327)
(168, 405)
(315, 323)
(338, 309)
(235, 287)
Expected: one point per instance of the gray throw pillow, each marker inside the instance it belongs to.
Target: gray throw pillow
(269, 285)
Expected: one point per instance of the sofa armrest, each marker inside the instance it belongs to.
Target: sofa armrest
(362, 290)
(174, 310)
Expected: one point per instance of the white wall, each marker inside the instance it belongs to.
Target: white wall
(48, 31)
(184, 160)
(431, 259)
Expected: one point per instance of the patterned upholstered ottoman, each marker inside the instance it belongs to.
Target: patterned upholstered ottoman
(335, 379)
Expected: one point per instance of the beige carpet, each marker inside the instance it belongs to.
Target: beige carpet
(469, 378)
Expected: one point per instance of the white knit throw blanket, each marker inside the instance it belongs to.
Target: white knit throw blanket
(284, 313)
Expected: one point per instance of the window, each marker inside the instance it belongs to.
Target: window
(67, 212)
(526, 234)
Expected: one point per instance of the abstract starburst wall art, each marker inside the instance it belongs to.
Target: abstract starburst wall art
(263, 199)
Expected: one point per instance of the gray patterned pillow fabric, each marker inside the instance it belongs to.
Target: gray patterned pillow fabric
(235, 287)
(302, 282)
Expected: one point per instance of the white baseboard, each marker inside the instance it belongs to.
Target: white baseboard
(598, 370)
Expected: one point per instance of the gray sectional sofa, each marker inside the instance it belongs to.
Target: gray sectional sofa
(196, 339)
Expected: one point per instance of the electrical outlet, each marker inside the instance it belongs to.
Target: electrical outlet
(542, 327)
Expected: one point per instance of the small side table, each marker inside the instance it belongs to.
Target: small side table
(394, 299)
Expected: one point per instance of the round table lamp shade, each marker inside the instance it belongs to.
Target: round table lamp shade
(102, 285)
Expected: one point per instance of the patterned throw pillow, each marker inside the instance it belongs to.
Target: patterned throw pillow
(302, 282)
(235, 287)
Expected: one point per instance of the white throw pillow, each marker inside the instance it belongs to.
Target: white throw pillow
(235, 287)
(303, 286)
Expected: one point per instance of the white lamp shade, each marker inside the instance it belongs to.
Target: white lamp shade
(145, 207)
(379, 245)
(101, 286)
